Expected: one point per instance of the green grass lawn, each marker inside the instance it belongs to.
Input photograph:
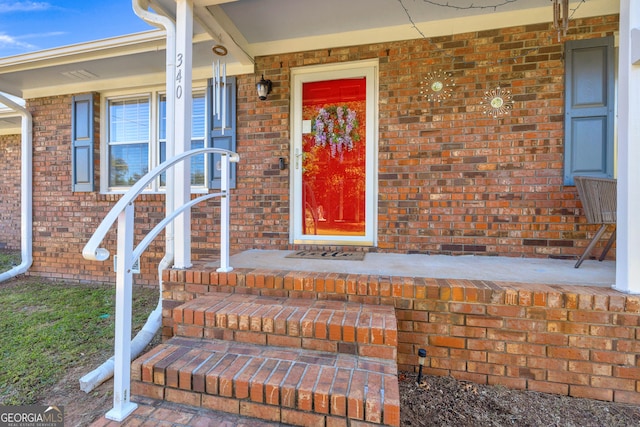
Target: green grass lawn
(49, 327)
(8, 260)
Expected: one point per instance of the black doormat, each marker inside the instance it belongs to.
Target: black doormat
(334, 255)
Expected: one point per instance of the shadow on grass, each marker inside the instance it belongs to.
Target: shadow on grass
(8, 259)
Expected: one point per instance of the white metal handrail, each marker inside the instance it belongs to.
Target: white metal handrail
(92, 250)
(123, 212)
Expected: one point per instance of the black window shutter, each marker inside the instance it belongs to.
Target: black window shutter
(218, 138)
(589, 108)
(82, 143)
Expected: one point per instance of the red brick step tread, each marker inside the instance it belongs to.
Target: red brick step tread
(289, 385)
(324, 325)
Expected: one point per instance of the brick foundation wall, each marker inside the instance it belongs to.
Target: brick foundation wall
(10, 192)
(451, 180)
(571, 340)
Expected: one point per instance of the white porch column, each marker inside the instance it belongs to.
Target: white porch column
(182, 95)
(628, 227)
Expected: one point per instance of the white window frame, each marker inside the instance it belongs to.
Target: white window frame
(202, 188)
(154, 97)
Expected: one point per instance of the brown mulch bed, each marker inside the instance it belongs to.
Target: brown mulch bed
(445, 401)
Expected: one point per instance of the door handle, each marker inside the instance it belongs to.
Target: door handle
(297, 156)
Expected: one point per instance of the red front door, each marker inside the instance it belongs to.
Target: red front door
(334, 157)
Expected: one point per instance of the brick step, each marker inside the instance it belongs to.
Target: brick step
(324, 325)
(289, 385)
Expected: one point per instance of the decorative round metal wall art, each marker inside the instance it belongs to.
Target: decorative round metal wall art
(497, 102)
(437, 86)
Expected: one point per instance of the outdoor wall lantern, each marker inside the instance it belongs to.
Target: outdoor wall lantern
(264, 88)
(422, 356)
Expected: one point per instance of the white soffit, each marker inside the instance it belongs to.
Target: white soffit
(282, 26)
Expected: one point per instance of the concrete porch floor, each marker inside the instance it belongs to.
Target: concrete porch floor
(469, 267)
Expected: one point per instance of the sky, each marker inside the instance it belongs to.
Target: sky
(29, 26)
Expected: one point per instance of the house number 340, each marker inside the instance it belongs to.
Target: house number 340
(179, 64)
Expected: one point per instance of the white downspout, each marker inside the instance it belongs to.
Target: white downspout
(154, 322)
(26, 192)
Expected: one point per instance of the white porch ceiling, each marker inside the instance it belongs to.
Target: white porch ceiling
(275, 20)
(251, 28)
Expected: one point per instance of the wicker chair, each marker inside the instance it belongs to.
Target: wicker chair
(598, 197)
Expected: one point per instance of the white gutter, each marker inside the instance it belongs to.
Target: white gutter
(154, 322)
(26, 192)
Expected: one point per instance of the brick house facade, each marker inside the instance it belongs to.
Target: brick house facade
(451, 180)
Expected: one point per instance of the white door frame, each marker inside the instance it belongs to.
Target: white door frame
(369, 70)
